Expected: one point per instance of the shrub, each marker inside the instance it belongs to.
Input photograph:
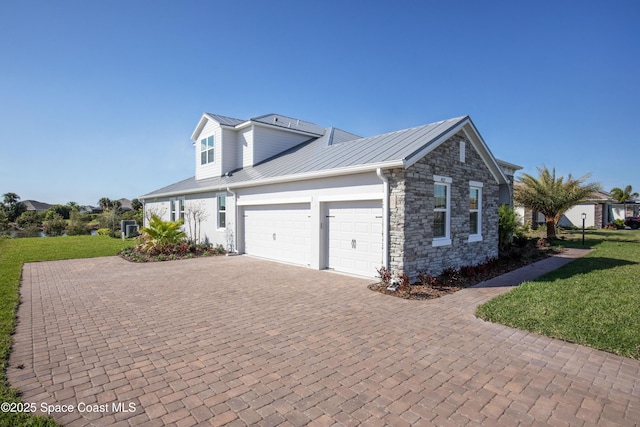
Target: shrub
(77, 226)
(426, 279)
(450, 274)
(54, 226)
(507, 225)
(468, 271)
(28, 218)
(384, 275)
(103, 231)
(160, 234)
(404, 283)
(29, 231)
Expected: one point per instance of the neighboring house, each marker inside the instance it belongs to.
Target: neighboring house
(33, 205)
(600, 210)
(424, 198)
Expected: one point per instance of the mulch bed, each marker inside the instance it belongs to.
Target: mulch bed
(452, 282)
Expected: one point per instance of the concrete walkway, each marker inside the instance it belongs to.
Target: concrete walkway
(240, 341)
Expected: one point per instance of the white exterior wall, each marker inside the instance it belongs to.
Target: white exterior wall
(573, 217)
(208, 227)
(245, 147)
(272, 141)
(318, 192)
(229, 155)
(210, 169)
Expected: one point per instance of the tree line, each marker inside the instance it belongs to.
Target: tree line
(16, 220)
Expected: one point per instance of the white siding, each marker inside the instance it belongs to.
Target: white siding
(209, 170)
(245, 147)
(268, 142)
(229, 155)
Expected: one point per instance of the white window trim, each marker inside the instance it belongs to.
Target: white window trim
(175, 211)
(446, 240)
(207, 149)
(478, 236)
(226, 211)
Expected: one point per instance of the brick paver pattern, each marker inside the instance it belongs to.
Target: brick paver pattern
(241, 341)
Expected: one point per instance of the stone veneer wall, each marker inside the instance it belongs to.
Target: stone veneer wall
(411, 212)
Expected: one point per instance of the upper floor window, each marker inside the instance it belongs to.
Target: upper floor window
(442, 211)
(206, 150)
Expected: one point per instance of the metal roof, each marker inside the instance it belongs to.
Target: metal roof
(336, 152)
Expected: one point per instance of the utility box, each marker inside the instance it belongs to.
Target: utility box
(129, 228)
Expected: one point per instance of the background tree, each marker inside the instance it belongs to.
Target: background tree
(4, 221)
(552, 196)
(13, 207)
(104, 203)
(61, 210)
(625, 195)
(73, 206)
(29, 218)
(136, 205)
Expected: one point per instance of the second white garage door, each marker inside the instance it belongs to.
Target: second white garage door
(354, 236)
(279, 232)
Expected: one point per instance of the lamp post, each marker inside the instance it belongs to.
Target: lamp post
(584, 216)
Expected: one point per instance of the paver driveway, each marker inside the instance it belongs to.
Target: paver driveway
(240, 341)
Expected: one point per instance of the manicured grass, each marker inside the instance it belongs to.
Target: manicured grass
(591, 301)
(15, 252)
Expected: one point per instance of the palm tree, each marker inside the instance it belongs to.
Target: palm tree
(625, 195)
(104, 203)
(552, 196)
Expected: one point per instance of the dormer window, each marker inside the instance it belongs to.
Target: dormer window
(206, 150)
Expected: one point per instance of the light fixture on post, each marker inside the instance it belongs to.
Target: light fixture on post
(584, 216)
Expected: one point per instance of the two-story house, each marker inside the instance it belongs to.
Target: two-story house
(276, 187)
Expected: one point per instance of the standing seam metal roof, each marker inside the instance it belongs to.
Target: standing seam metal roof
(335, 149)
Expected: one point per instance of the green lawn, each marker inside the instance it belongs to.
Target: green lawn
(593, 301)
(15, 252)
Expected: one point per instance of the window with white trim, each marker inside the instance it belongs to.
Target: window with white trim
(441, 211)
(176, 209)
(206, 150)
(475, 211)
(222, 210)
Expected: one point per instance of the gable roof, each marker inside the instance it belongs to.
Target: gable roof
(337, 152)
(34, 205)
(274, 120)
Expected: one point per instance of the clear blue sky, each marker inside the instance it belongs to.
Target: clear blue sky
(99, 98)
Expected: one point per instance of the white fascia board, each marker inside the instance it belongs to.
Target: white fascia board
(483, 149)
(270, 126)
(202, 123)
(285, 201)
(350, 170)
(430, 147)
(285, 178)
(485, 154)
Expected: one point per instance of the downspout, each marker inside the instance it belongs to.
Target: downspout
(235, 219)
(385, 218)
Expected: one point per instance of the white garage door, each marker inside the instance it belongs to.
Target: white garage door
(354, 237)
(279, 232)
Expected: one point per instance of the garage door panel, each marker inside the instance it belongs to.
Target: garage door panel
(354, 236)
(279, 232)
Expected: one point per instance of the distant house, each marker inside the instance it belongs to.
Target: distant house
(281, 188)
(34, 205)
(600, 210)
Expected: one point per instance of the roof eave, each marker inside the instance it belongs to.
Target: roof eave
(350, 170)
